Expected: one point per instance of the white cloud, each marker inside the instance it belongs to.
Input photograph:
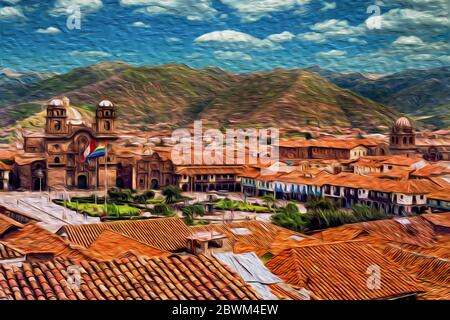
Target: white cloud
(253, 10)
(357, 41)
(140, 24)
(332, 28)
(328, 6)
(235, 39)
(90, 54)
(190, 9)
(313, 37)
(281, 37)
(232, 55)
(49, 30)
(331, 54)
(61, 7)
(407, 41)
(173, 40)
(11, 1)
(409, 20)
(11, 13)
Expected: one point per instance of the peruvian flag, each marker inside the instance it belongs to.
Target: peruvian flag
(90, 148)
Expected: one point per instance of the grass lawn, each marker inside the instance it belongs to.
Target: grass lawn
(227, 204)
(97, 210)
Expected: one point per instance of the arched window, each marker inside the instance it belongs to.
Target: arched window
(57, 125)
(107, 125)
(405, 140)
(411, 140)
(57, 160)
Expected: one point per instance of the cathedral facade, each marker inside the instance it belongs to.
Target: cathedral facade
(55, 159)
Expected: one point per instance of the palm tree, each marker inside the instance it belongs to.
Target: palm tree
(269, 200)
(172, 193)
(193, 210)
(290, 218)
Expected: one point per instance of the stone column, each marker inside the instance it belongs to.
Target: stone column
(5, 180)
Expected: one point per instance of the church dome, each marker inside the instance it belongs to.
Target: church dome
(56, 103)
(403, 124)
(105, 103)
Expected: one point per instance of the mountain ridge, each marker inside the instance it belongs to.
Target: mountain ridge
(176, 94)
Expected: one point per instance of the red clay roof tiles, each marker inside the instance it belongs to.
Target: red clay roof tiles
(176, 277)
(339, 271)
(164, 233)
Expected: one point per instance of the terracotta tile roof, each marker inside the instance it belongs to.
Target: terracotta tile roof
(34, 239)
(9, 252)
(8, 154)
(329, 143)
(250, 172)
(4, 166)
(110, 244)
(8, 224)
(438, 219)
(338, 271)
(399, 173)
(426, 268)
(300, 177)
(163, 233)
(171, 278)
(209, 170)
(350, 180)
(408, 230)
(431, 170)
(432, 272)
(440, 195)
(25, 159)
(402, 160)
(257, 236)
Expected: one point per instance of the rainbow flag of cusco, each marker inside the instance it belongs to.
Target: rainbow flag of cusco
(100, 151)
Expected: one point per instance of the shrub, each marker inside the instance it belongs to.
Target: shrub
(163, 209)
(189, 212)
(116, 194)
(289, 217)
(172, 193)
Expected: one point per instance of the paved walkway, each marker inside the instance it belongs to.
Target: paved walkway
(37, 205)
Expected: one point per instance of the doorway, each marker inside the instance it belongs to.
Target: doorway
(82, 182)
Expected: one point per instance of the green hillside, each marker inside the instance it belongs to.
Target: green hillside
(176, 95)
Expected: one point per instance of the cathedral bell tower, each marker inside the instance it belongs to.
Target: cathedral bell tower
(403, 137)
(56, 118)
(105, 118)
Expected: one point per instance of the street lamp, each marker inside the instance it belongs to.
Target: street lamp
(40, 176)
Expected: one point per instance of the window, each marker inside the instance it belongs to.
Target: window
(107, 125)
(57, 160)
(57, 125)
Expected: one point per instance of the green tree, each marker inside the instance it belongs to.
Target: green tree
(163, 209)
(172, 193)
(191, 211)
(290, 217)
(269, 200)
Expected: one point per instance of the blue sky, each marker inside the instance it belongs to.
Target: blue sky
(237, 35)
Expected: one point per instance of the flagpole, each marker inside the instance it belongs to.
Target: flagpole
(96, 179)
(106, 177)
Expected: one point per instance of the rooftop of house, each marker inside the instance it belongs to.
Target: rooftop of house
(167, 234)
(33, 239)
(305, 267)
(334, 143)
(135, 277)
(110, 244)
